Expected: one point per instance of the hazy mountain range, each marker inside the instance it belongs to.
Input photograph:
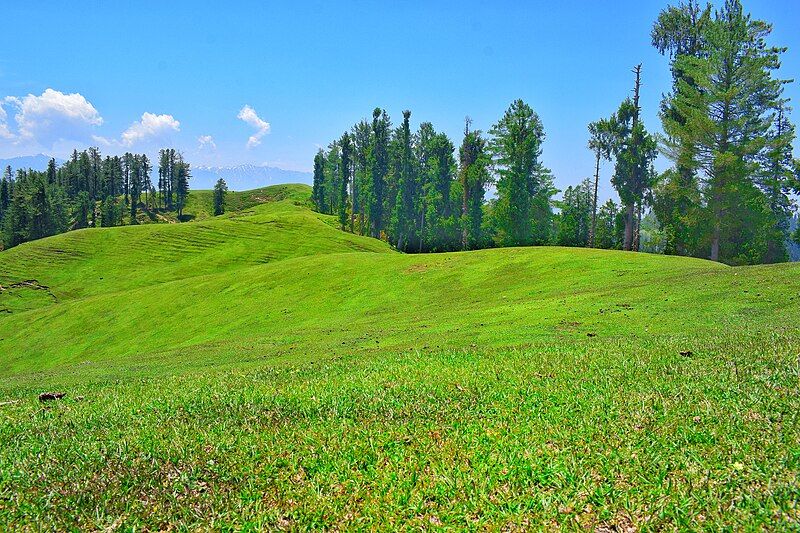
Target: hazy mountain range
(245, 177)
(36, 162)
(238, 178)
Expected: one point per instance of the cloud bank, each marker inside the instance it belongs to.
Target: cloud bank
(50, 117)
(5, 133)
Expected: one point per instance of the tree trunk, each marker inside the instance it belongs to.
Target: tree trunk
(421, 226)
(352, 203)
(628, 242)
(715, 243)
(593, 229)
(464, 232)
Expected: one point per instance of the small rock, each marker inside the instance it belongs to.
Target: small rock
(686, 353)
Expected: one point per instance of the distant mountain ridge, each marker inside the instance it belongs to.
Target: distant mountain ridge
(238, 177)
(35, 162)
(245, 177)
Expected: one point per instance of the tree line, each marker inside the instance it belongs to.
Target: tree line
(89, 190)
(409, 188)
(727, 196)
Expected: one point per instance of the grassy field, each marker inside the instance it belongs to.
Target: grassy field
(263, 370)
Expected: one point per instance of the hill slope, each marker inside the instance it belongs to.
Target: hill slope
(270, 224)
(265, 370)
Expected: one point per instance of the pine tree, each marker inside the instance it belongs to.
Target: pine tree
(775, 179)
(679, 32)
(318, 190)
(524, 186)
(724, 116)
(220, 191)
(438, 224)
(333, 177)
(345, 171)
(362, 141)
(5, 192)
(634, 150)
(601, 143)
(473, 175)
(163, 177)
(610, 226)
(127, 164)
(576, 217)
(83, 210)
(135, 185)
(16, 221)
(182, 176)
(378, 169)
(110, 213)
(404, 217)
(95, 181)
(145, 169)
(52, 171)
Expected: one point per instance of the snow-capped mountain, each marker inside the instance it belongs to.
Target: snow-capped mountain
(245, 177)
(238, 178)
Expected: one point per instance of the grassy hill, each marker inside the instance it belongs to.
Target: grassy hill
(265, 370)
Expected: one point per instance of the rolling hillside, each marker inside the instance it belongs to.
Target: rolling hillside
(263, 369)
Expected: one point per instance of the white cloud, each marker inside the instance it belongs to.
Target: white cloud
(100, 140)
(4, 131)
(149, 127)
(206, 141)
(52, 116)
(249, 115)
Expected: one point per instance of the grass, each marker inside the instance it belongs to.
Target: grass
(339, 385)
(88, 262)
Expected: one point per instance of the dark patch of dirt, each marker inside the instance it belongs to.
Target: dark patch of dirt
(50, 396)
(32, 284)
(416, 269)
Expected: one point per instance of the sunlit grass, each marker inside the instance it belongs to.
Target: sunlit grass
(340, 385)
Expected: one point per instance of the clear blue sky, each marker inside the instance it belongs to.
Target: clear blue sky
(310, 70)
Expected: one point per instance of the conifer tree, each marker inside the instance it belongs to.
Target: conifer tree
(679, 32)
(438, 225)
(576, 217)
(135, 185)
(404, 216)
(601, 143)
(220, 191)
(362, 140)
(318, 189)
(145, 184)
(182, 176)
(473, 174)
(378, 168)
(333, 177)
(345, 167)
(524, 186)
(720, 123)
(127, 165)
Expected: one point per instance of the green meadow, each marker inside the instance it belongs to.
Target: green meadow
(265, 370)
